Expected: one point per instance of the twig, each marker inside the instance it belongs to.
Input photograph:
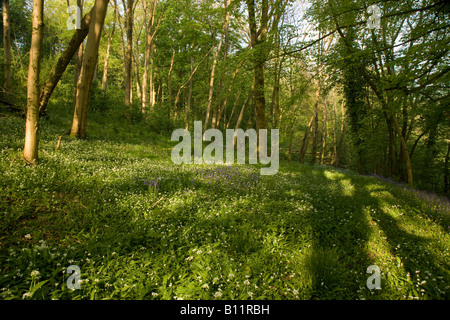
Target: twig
(59, 143)
(154, 205)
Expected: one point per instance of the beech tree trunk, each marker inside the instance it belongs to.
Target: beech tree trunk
(30, 152)
(79, 123)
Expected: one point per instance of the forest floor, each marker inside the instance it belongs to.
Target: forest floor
(140, 227)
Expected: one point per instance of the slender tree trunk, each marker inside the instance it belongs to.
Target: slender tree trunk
(225, 101)
(404, 150)
(128, 51)
(341, 137)
(6, 45)
(189, 98)
(244, 106)
(305, 140)
(233, 109)
(108, 49)
(79, 123)
(446, 172)
(325, 133)
(258, 40)
(148, 97)
(78, 62)
(334, 157)
(30, 153)
(316, 121)
(170, 80)
(276, 98)
(136, 72)
(211, 85)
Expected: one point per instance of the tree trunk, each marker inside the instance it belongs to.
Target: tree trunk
(258, 41)
(62, 63)
(79, 123)
(128, 51)
(6, 45)
(78, 62)
(325, 133)
(404, 150)
(305, 140)
(149, 97)
(232, 110)
(170, 81)
(189, 98)
(446, 172)
(225, 101)
(136, 71)
(334, 157)
(108, 48)
(244, 106)
(211, 85)
(30, 153)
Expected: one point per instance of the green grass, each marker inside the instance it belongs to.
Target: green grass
(204, 232)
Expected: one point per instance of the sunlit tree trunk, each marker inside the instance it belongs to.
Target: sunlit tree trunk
(225, 101)
(189, 98)
(128, 51)
(147, 77)
(107, 54)
(30, 152)
(78, 61)
(79, 123)
(211, 85)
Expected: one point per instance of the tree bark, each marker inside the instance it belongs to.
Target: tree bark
(106, 60)
(305, 140)
(189, 98)
(62, 63)
(79, 123)
(148, 62)
(128, 51)
(325, 133)
(30, 153)
(78, 61)
(446, 172)
(6, 44)
(258, 43)
(211, 85)
(225, 101)
(172, 61)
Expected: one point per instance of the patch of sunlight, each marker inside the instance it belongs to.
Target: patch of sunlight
(347, 187)
(333, 175)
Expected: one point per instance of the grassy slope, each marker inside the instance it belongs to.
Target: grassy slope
(205, 231)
